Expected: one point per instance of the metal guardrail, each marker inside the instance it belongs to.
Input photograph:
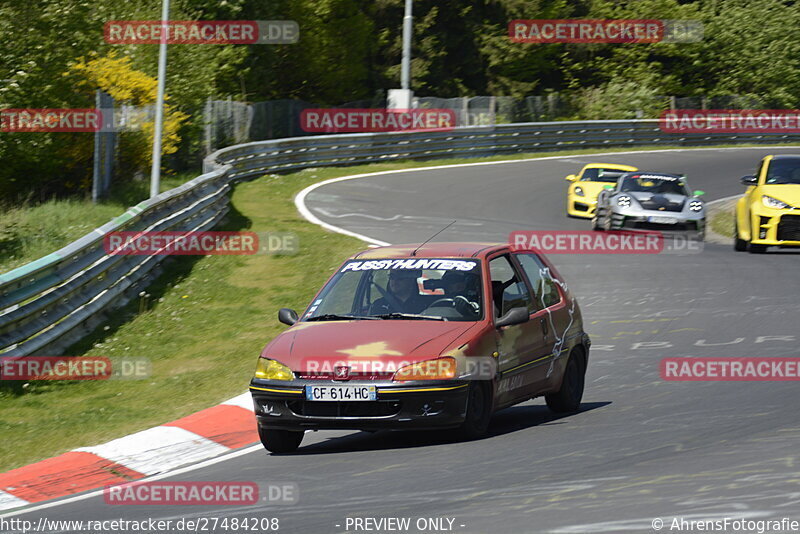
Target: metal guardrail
(300, 152)
(49, 304)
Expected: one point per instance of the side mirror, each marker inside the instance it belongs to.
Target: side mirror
(699, 193)
(514, 316)
(287, 316)
(571, 178)
(749, 180)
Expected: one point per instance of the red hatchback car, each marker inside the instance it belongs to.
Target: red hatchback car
(435, 336)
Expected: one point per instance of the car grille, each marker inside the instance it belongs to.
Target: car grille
(379, 408)
(644, 225)
(668, 206)
(579, 206)
(789, 228)
(306, 375)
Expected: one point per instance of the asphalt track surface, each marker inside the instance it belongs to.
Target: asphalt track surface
(641, 448)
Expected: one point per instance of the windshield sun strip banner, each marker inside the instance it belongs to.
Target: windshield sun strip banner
(663, 177)
(410, 264)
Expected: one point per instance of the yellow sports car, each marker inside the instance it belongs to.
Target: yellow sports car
(769, 212)
(582, 192)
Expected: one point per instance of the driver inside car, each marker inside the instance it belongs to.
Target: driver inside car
(402, 294)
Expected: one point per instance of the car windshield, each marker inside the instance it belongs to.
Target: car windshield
(601, 175)
(784, 171)
(654, 183)
(402, 289)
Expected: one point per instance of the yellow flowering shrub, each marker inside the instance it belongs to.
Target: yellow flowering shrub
(116, 76)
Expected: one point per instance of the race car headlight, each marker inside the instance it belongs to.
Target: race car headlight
(624, 201)
(272, 370)
(579, 191)
(438, 369)
(695, 205)
(774, 203)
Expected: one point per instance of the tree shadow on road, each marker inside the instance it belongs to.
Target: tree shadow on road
(506, 421)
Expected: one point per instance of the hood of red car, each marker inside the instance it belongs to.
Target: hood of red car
(307, 345)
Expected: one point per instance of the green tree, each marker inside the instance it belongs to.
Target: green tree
(752, 48)
(329, 65)
(42, 38)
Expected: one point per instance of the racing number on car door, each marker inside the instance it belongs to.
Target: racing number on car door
(521, 345)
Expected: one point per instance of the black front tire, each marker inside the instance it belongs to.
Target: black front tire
(757, 249)
(608, 221)
(596, 220)
(568, 398)
(275, 440)
(479, 412)
(739, 245)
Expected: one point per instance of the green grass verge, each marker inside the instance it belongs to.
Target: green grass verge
(722, 222)
(205, 322)
(30, 232)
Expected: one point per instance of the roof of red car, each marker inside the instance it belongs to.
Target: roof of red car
(431, 250)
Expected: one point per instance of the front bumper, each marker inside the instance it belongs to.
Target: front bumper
(425, 404)
(585, 209)
(641, 219)
(775, 227)
(581, 206)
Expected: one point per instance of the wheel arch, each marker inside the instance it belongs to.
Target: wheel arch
(581, 352)
(741, 220)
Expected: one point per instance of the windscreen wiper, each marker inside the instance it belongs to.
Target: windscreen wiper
(396, 315)
(340, 317)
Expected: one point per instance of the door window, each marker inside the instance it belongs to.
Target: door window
(545, 290)
(508, 289)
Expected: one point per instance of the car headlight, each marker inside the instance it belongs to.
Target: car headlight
(624, 201)
(438, 369)
(272, 370)
(774, 203)
(579, 191)
(695, 205)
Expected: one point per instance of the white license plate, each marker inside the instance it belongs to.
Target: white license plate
(341, 393)
(662, 220)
